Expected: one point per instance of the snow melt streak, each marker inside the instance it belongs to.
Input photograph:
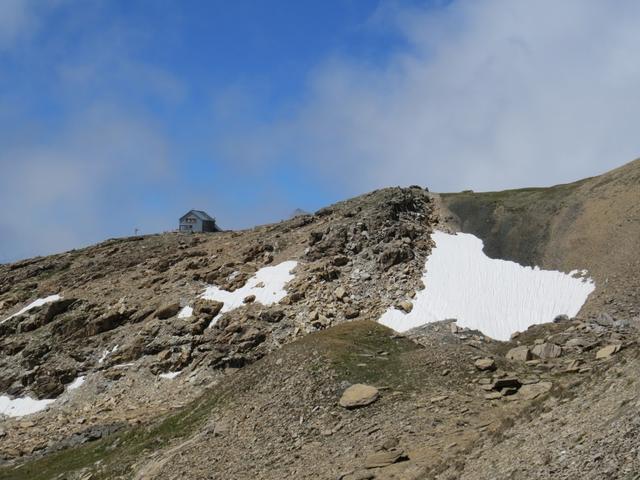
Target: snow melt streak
(267, 285)
(497, 297)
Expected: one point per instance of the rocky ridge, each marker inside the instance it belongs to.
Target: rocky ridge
(117, 324)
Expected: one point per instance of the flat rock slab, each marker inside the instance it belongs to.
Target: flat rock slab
(531, 391)
(384, 458)
(606, 352)
(483, 364)
(359, 395)
(547, 350)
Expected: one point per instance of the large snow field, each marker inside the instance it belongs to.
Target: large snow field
(497, 297)
(37, 303)
(267, 285)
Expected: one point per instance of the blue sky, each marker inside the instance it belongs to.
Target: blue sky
(117, 115)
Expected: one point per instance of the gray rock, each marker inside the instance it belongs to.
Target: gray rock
(547, 350)
(604, 319)
(519, 354)
(484, 364)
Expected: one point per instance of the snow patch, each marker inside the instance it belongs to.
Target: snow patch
(497, 297)
(19, 407)
(185, 312)
(170, 375)
(37, 303)
(77, 383)
(267, 285)
(106, 353)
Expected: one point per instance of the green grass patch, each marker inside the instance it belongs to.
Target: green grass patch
(350, 345)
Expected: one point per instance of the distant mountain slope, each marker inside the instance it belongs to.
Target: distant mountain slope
(593, 224)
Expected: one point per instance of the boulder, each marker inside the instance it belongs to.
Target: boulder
(351, 313)
(604, 319)
(359, 395)
(507, 382)
(395, 254)
(47, 387)
(561, 319)
(405, 305)
(531, 391)
(271, 316)
(485, 364)
(45, 314)
(547, 350)
(206, 309)
(340, 261)
(167, 310)
(249, 299)
(608, 351)
(106, 322)
(519, 354)
(340, 293)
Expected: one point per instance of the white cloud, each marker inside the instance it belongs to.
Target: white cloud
(487, 95)
(15, 19)
(73, 189)
(20, 19)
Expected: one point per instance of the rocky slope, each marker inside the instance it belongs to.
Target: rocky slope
(257, 392)
(117, 323)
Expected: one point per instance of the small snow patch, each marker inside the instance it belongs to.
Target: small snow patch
(106, 353)
(18, 407)
(77, 383)
(185, 312)
(37, 303)
(170, 375)
(267, 285)
(497, 297)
